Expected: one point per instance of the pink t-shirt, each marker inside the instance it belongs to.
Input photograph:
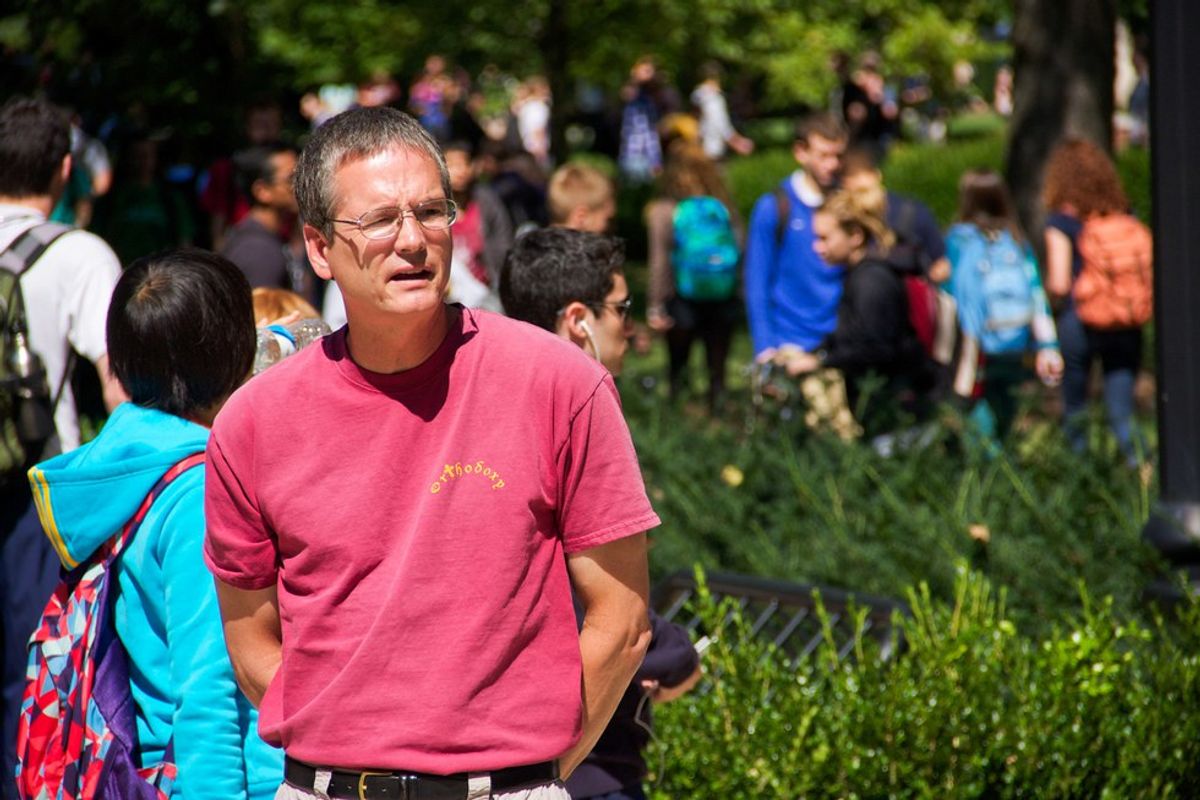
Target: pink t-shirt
(415, 525)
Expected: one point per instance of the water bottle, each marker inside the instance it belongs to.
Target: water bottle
(277, 342)
(34, 418)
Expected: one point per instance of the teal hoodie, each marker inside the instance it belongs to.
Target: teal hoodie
(165, 608)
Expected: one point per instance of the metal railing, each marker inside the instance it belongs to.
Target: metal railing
(784, 613)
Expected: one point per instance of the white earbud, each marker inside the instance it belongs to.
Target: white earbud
(587, 329)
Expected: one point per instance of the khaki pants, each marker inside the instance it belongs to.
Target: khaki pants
(828, 408)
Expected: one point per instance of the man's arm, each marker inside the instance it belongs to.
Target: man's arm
(760, 265)
(113, 392)
(613, 585)
(253, 636)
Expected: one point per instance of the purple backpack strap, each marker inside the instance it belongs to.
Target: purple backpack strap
(110, 690)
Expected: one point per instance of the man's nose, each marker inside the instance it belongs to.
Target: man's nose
(410, 236)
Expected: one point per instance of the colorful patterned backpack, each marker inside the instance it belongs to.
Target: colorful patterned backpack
(77, 734)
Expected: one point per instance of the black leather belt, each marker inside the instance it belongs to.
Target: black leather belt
(384, 785)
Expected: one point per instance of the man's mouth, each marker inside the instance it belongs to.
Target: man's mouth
(413, 275)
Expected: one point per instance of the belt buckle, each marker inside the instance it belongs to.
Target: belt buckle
(362, 782)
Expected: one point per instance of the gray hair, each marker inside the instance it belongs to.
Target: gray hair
(357, 133)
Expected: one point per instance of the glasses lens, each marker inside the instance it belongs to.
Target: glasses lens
(380, 223)
(436, 215)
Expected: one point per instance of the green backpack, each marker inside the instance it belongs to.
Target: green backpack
(705, 254)
(26, 408)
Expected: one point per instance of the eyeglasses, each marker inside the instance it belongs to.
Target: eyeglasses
(620, 306)
(384, 223)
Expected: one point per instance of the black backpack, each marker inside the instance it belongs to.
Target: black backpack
(26, 407)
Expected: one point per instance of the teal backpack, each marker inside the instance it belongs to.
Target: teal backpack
(705, 254)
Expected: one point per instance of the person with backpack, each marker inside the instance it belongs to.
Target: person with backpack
(180, 334)
(874, 345)
(791, 294)
(1002, 308)
(694, 264)
(55, 282)
(1099, 271)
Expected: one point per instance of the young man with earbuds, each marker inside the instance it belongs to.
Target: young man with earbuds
(571, 283)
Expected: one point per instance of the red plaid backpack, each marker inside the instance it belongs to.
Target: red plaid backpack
(77, 734)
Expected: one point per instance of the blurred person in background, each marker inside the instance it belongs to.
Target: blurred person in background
(791, 293)
(143, 213)
(694, 258)
(581, 198)
(716, 129)
(258, 245)
(1082, 186)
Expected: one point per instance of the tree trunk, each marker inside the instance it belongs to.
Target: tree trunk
(1063, 68)
(556, 56)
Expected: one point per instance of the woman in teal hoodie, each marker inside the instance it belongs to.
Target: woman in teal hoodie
(180, 340)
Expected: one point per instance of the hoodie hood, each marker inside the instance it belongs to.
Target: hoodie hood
(85, 496)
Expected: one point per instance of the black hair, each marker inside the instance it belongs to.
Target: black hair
(459, 146)
(550, 267)
(181, 330)
(254, 164)
(35, 136)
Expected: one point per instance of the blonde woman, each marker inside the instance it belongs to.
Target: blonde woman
(873, 335)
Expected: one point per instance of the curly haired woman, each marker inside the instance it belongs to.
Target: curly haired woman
(1081, 182)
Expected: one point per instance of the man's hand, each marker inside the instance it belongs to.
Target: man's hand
(665, 694)
(1049, 366)
(252, 636)
(613, 584)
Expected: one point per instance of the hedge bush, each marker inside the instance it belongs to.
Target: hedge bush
(757, 493)
(1098, 708)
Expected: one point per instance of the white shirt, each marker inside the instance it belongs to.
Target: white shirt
(715, 127)
(66, 293)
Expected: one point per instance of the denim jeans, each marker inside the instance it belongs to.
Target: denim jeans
(1120, 354)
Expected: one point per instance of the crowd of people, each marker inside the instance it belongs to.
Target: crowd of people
(476, 623)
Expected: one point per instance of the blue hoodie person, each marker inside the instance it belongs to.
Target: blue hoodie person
(165, 605)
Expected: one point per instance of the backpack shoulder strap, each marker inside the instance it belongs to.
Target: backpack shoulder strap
(27, 248)
(135, 522)
(783, 213)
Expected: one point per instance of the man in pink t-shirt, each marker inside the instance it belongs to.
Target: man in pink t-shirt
(397, 517)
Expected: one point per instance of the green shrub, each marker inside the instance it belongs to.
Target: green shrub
(801, 507)
(1100, 708)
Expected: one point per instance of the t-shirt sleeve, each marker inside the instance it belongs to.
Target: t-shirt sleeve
(602, 497)
(91, 290)
(239, 547)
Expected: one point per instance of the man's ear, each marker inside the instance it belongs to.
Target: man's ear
(260, 190)
(800, 150)
(316, 246)
(576, 218)
(570, 323)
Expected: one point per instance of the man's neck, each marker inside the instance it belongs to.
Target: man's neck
(43, 204)
(399, 345)
(268, 217)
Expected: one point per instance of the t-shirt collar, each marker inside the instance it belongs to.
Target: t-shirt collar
(462, 326)
(809, 196)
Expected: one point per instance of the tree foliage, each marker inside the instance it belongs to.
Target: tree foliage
(193, 53)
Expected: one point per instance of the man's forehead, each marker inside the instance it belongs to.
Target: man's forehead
(816, 141)
(407, 160)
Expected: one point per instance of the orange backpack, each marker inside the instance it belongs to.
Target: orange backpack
(1115, 288)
